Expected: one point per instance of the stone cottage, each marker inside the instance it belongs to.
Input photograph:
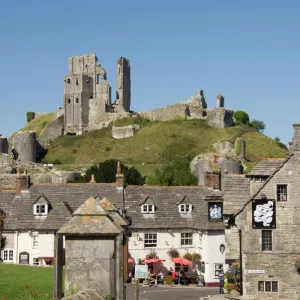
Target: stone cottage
(261, 215)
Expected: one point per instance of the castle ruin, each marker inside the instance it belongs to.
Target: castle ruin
(87, 94)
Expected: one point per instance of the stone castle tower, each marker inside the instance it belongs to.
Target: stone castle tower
(87, 96)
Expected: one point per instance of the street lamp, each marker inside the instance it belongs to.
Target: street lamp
(222, 248)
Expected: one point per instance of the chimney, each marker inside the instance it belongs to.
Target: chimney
(212, 180)
(296, 139)
(22, 182)
(92, 179)
(119, 177)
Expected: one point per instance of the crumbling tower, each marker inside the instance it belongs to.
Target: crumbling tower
(82, 89)
(123, 84)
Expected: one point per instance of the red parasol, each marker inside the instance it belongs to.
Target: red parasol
(182, 261)
(152, 260)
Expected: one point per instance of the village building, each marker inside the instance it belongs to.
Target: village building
(189, 219)
(261, 217)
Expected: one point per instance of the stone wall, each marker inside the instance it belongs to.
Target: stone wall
(219, 117)
(51, 131)
(124, 131)
(167, 113)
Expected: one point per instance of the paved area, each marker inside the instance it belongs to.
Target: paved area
(174, 293)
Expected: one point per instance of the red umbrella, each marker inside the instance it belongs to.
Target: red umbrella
(130, 261)
(182, 261)
(152, 260)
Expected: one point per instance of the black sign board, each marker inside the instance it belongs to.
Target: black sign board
(264, 214)
(215, 211)
(24, 258)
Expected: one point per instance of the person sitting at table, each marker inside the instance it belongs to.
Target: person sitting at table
(160, 279)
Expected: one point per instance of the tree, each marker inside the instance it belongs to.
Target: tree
(175, 172)
(241, 117)
(106, 172)
(277, 139)
(259, 125)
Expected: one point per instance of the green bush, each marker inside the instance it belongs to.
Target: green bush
(30, 116)
(241, 117)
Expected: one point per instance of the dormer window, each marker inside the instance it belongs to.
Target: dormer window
(148, 208)
(40, 209)
(41, 206)
(185, 208)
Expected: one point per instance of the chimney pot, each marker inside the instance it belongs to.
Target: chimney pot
(92, 179)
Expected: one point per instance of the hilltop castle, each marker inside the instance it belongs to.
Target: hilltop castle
(87, 93)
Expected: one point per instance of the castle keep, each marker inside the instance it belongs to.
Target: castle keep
(87, 94)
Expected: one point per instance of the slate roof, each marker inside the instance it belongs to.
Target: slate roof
(67, 198)
(236, 193)
(63, 198)
(267, 166)
(166, 201)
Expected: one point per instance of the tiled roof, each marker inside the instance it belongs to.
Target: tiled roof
(236, 193)
(267, 167)
(65, 199)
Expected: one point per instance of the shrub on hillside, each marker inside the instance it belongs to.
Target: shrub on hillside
(259, 125)
(30, 116)
(107, 170)
(241, 117)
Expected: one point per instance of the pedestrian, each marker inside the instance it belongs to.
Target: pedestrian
(221, 279)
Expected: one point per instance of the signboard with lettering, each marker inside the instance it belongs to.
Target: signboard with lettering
(141, 271)
(256, 271)
(24, 258)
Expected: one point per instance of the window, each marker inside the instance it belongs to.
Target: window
(150, 240)
(266, 240)
(77, 100)
(185, 208)
(187, 239)
(91, 96)
(202, 267)
(268, 286)
(69, 80)
(76, 81)
(35, 240)
(218, 268)
(69, 101)
(281, 192)
(8, 255)
(40, 209)
(148, 209)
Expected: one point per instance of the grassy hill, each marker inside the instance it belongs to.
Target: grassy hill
(144, 148)
(37, 124)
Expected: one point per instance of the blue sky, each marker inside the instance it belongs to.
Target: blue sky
(246, 50)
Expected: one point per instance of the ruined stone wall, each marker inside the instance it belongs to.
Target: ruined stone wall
(124, 131)
(167, 113)
(220, 117)
(24, 144)
(51, 131)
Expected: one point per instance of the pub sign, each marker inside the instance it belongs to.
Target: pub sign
(264, 214)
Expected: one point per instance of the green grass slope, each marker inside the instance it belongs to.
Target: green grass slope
(37, 124)
(144, 149)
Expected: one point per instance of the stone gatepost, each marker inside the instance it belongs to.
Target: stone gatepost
(94, 249)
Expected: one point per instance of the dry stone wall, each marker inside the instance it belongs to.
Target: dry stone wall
(52, 131)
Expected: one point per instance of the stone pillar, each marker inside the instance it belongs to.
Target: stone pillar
(296, 138)
(220, 100)
(123, 96)
(94, 250)
(119, 177)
